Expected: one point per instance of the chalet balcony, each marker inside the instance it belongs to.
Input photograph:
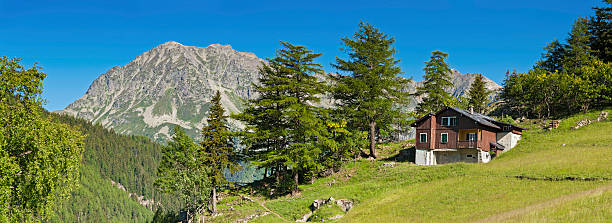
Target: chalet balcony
(467, 144)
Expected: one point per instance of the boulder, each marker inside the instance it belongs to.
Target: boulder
(602, 116)
(345, 204)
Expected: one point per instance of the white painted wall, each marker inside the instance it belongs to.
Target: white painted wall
(424, 157)
(485, 157)
(508, 139)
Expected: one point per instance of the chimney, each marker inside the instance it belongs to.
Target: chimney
(471, 110)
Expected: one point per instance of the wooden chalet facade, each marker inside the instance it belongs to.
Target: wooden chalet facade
(456, 135)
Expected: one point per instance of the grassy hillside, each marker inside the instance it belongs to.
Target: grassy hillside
(559, 175)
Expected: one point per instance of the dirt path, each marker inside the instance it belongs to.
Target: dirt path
(516, 212)
(263, 205)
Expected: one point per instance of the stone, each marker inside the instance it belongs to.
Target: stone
(345, 204)
(390, 164)
(602, 116)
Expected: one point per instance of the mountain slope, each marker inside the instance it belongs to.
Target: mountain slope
(168, 85)
(110, 160)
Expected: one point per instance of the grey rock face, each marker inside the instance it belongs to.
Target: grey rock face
(168, 85)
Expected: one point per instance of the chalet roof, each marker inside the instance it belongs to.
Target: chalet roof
(479, 118)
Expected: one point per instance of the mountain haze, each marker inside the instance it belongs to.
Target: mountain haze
(172, 84)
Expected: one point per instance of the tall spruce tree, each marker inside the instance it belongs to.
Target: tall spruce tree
(478, 95)
(437, 81)
(217, 148)
(369, 93)
(284, 128)
(552, 58)
(182, 173)
(600, 30)
(578, 51)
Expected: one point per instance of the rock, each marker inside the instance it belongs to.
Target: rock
(316, 204)
(330, 199)
(345, 204)
(581, 123)
(390, 164)
(602, 116)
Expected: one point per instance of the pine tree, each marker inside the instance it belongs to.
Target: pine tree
(284, 128)
(552, 59)
(478, 95)
(369, 93)
(182, 174)
(600, 30)
(578, 51)
(217, 149)
(437, 81)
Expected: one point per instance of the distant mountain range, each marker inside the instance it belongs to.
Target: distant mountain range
(172, 84)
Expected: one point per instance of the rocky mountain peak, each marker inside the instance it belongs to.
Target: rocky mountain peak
(168, 85)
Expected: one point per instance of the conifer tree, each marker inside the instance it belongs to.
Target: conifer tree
(372, 88)
(284, 129)
(600, 30)
(437, 81)
(217, 149)
(552, 58)
(578, 51)
(478, 95)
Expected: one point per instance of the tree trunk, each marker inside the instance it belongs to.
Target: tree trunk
(296, 181)
(373, 139)
(214, 200)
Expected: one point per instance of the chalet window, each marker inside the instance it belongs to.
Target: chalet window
(444, 137)
(469, 155)
(423, 137)
(471, 137)
(449, 121)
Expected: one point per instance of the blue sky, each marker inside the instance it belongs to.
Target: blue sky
(76, 41)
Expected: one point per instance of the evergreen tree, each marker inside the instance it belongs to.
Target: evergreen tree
(217, 149)
(437, 81)
(39, 158)
(369, 93)
(578, 50)
(285, 130)
(552, 59)
(182, 174)
(600, 30)
(478, 95)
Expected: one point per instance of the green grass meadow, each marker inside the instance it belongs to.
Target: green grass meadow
(561, 165)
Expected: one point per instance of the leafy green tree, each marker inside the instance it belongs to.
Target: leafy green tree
(183, 174)
(39, 158)
(600, 30)
(368, 95)
(478, 95)
(217, 148)
(437, 82)
(552, 59)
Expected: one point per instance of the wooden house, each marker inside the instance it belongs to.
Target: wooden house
(456, 135)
